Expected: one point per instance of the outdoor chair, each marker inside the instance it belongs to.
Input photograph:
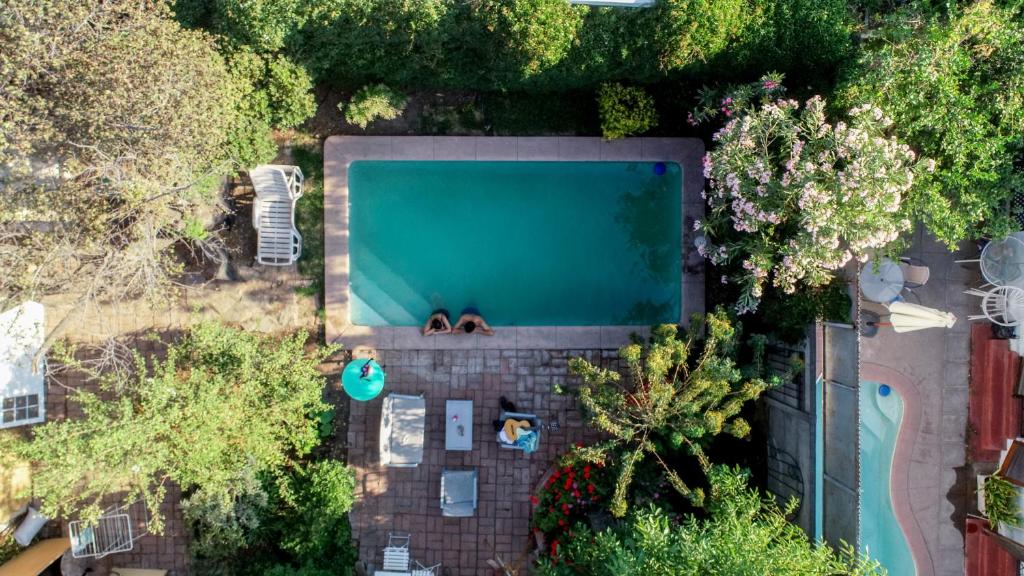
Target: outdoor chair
(396, 555)
(535, 424)
(402, 424)
(915, 275)
(1002, 305)
(277, 188)
(422, 570)
(458, 493)
(116, 530)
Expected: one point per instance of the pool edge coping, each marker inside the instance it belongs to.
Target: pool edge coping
(341, 151)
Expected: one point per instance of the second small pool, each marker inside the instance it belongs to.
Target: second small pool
(880, 533)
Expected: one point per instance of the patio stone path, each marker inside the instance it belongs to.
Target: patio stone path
(408, 499)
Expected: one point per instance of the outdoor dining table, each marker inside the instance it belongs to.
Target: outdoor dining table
(1002, 261)
(882, 283)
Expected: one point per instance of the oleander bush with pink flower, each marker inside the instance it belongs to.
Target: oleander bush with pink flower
(793, 197)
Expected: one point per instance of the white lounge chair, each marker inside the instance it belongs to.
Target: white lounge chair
(458, 493)
(535, 426)
(116, 530)
(422, 570)
(402, 424)
(273, 213)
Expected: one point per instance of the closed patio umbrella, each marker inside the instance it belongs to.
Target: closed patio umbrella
(906, 317)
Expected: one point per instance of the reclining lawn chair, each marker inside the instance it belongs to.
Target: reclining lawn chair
(273, 213)
(535, 424)
(458, 493)
(402, 422)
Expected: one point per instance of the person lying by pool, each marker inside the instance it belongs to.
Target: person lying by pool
(438, 323)
(470, 320)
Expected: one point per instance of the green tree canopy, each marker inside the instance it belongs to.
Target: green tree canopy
(954, 86)
(224, 403)
(680, 394)
(742, 536)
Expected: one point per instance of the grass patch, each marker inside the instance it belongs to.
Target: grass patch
(309, 218)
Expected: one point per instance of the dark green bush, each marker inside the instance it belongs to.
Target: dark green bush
(788, 315)
(625, 110)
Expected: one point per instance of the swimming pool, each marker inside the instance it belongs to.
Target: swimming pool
(880, 533)
(528, 243)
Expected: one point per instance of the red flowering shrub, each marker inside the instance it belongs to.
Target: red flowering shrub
(568, 496)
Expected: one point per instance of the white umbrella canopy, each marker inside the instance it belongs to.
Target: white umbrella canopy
(907, 317)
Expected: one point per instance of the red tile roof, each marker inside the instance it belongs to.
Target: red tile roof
(994, 412)
(985, 557)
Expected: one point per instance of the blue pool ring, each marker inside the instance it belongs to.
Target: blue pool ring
(884, 390)
(359, 387)
(660, 168)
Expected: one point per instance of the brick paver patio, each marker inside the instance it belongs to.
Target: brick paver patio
(408, 499)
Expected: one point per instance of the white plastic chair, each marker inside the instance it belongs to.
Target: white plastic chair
(1002, 305)
(396, 555)
(273, 213)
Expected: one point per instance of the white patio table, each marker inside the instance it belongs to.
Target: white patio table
(458, 427)
(1002, 261)
(883, 285)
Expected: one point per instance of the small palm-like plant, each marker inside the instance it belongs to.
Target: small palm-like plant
(371, 103)
(1001, 502)
(676, 394)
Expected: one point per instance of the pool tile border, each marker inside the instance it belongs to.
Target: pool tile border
(341, 151)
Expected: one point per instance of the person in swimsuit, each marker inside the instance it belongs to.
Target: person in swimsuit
(470, 321)
(438, 323)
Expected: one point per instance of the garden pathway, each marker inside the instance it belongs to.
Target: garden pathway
(935, 362)
(407, 499)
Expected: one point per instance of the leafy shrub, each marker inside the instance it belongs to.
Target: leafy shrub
(223, 522)
(373, 103)
(625, 110)
(295, 523)
(953, 87)
(568, 496)
(290, 92)
(1001, 502)
(742, 534)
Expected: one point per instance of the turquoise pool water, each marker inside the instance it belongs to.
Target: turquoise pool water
(528, 243)
(880, 533)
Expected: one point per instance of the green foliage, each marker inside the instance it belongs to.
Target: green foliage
(1001, 502)
(224, 521)
(376, 102)
(955, 89)
(301, 526)
(223, 402)
(805, 39)
(789, 314)
(743, 536)
(677, 393)
(572, 492)
(290, 92)
(625, 111)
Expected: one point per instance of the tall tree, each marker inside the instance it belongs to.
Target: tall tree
(225, 403)
(954, 87)
(680, 393)
(112, 121)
